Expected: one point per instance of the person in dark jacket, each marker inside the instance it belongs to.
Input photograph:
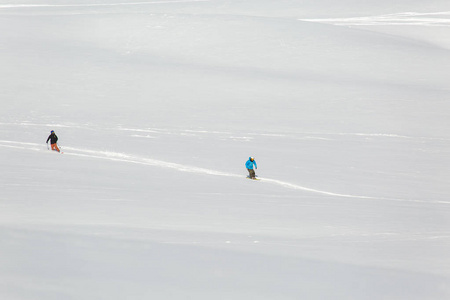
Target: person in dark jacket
(249, 165)
(53, 140)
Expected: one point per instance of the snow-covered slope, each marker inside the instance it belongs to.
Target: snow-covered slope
(158, 104)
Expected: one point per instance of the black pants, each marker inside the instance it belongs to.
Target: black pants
(251, 173)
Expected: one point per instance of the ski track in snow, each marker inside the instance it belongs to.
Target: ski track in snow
(316, 135)
(303, 135)
(121, 157)
(407, 18)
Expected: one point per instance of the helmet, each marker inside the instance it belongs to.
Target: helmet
(52, 131)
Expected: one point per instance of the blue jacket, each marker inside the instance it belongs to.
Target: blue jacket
(249, 164)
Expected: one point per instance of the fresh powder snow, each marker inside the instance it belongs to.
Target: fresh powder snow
(345, 106)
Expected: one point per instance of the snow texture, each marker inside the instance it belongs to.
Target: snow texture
(158, 104)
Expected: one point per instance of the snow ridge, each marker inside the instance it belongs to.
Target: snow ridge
(406, 18)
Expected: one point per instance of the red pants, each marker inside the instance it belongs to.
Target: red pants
(55, 147)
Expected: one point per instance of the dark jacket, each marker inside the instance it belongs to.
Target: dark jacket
(53, 138)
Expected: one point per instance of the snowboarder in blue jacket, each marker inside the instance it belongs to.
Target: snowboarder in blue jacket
(249, 165)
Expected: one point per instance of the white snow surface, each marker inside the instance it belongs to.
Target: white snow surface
(158, 104)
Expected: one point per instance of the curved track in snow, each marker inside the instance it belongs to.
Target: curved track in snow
(122, 157)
